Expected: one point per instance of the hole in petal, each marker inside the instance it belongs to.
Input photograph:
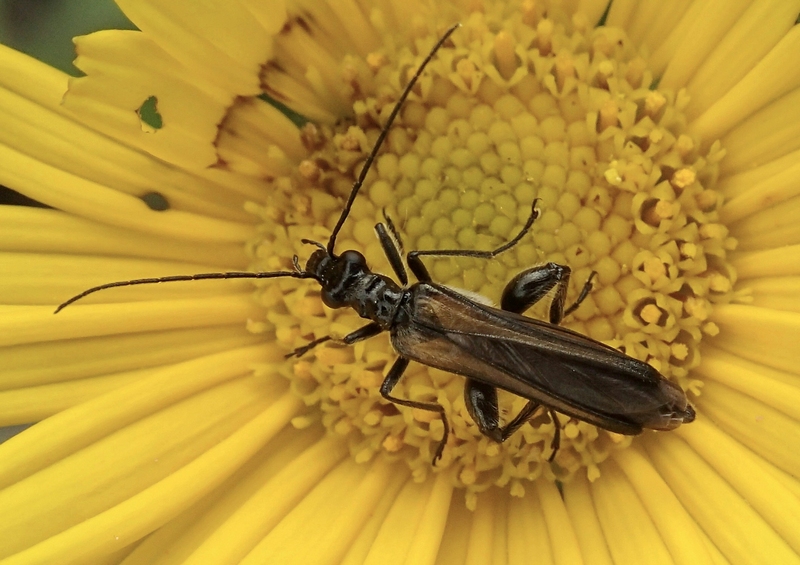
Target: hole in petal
(149, 117)
(155, 201)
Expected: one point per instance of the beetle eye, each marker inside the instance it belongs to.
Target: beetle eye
(352, 256)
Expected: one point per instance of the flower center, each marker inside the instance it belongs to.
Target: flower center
(545, 109)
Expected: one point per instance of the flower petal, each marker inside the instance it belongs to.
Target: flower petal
(763, 198)
(774, 388)
(88, 199)
(270, 512)
(355, 489)
(80, 426)
(629, 530)
(528, 538)
(417, 511)
(679, 531)
(579, 503)
(131, 518)
(775, 262)
(186, 535)
(777, 293)
(739, 531)
(38, 278)
(764, 136)
(218, 42)
(31, 324)
(698, 33)
(760, 334)
(757, 46)
(739, 466)
(763, 429)
(37, 230)
(41, 379)
(563, 540)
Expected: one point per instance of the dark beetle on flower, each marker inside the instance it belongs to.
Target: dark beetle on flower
(551, 366)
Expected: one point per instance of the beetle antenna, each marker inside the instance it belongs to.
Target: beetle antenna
(176, 278)
(382, 137)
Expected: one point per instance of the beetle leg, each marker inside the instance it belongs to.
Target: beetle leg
(556, 443)
(389, 383)
(390, 248)
(524, 415)
(421, 272)
(481, 401)
(300, 351)
(587, 288)
(528, 287)
(361, 333)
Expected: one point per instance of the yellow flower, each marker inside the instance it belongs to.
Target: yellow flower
(663, 149)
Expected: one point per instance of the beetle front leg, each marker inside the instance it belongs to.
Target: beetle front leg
(421, 272)
(390, 248)
(360, 334)
(389, 383)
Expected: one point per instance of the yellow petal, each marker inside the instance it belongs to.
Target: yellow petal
(42, 363)
(89, 199)
(37, 230)
(756, 47)
(81, 425)
(701, 29)
(767, 197)
(762, 428)
(628, 528)
(426, 543)
(362, 545)
(728, 519)
(30, 324)
(262, 515)
(760, 334)
(201, 37)
(578, 500)
(39, 278)
(528, 539)
(775, 262)
(351, 488)
(771, 227)
(774, 388)
(563, 541)
(418, 507)
(482, 538)
(197, 524)
(43, 379)
(680, 533)
(778, 293)
(766, 135)
(739, 466)
(152, 507)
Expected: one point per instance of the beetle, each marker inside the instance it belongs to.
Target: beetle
(552, 367)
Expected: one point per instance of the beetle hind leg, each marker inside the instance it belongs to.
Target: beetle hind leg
(481, 401)
(530, 286)
(556, 443)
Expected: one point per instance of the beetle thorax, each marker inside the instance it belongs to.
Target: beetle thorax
(347, 281)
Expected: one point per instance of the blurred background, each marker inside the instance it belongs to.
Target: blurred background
(44, 28)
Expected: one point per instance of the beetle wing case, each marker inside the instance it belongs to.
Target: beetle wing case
(556, 366)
